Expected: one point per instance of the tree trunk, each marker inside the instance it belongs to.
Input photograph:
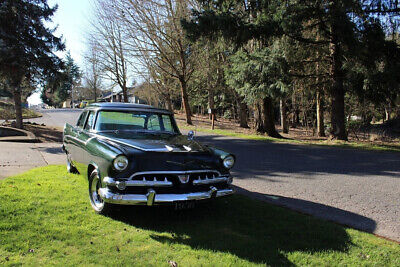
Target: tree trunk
(338, 126)
(388, 111)
(243, 113)
(169, 102)
(296, 112)
(284, 122)
(95, 94)
(258, 125)
(18, 108)
(211, 103)
(320, 114)
(125, 93)
(268, 118)
(185, 101)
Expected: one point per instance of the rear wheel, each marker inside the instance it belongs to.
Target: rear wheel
(96, 201)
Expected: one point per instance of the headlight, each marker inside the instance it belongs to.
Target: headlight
(228, 162)
(120, 163)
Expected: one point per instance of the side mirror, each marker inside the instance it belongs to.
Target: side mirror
(190, 135)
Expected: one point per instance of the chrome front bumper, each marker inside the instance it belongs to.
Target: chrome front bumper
(152, 198)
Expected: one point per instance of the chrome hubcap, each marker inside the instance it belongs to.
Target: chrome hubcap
(94, 193)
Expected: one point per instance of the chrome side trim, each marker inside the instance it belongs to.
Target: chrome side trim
(112, 182)
(173, 172)
(211, 181)
(137, 199)
(76, 139)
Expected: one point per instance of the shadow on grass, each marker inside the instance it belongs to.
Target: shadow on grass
(250, 229)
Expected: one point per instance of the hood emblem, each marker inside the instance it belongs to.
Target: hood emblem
(184, 179)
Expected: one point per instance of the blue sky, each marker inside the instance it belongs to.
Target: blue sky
(72, 18)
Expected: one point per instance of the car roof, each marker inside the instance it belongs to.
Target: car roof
(126, 106)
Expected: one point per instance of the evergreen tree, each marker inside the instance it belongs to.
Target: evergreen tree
(341, 26)
(26, 45)
(250, 26)
(58, 87)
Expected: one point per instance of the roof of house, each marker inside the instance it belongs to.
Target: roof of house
(106, 94)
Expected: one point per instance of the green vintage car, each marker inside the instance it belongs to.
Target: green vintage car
(135, 155)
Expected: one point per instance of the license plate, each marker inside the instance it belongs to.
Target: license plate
(184, 205)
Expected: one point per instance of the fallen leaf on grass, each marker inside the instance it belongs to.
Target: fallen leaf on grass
(173, 263)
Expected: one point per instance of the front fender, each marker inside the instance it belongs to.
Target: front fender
(101, 155)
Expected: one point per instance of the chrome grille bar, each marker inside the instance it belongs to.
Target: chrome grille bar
(211, 180)
(174, 172)
(112, 182)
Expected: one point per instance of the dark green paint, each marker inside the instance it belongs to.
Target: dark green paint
(88, 148)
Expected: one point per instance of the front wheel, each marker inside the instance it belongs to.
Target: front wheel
(96, 201)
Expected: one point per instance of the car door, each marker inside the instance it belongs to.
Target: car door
(83, 136)
(74, 140)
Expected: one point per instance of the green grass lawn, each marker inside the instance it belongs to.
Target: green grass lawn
(343, 144)
(46, 219)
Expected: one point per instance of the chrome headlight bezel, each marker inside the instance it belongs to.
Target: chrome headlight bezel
(228, 162)
(120, 163)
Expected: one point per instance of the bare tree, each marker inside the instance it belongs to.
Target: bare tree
(93, 70)
(109, 39)
(157, 41)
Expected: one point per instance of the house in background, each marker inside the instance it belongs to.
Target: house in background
(111, 97)
(118, 97)
(67, 103)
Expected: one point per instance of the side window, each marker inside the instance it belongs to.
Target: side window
(90, 121)
(153, 123)
(167, 123)
(81, 119)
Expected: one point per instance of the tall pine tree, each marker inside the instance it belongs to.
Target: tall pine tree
(26, 45)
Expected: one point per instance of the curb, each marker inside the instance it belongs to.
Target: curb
(20, 135)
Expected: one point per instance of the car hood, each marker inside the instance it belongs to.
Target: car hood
(155, 143)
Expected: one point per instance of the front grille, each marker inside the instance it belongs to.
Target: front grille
(171, 182)
(154, 177)
(203, 175)
(174, 176)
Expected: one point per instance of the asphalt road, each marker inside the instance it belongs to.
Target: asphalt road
(352, 187)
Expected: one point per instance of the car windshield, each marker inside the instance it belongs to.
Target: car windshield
(139, 121)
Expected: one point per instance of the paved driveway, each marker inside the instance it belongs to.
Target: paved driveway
(17, 157)
(353, 187)
(58, 117)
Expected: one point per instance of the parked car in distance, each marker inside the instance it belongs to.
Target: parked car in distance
(83, 104)
(134, 154)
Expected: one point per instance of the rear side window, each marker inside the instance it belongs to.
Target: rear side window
(90, 121)
(166, 119)
(153, 123)
(81, 119)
